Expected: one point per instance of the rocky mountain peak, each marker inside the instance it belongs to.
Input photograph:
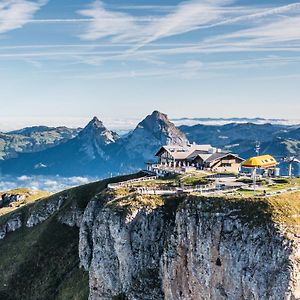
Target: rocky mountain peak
(150, 134)
(94, 137)
(95, 123)
(95, 128)
(155, 118)
(162, 129)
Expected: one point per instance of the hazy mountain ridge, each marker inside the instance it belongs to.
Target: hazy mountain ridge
(33, 139)
(224, 121)
(83, 154)
(277, 140)
(98, 151)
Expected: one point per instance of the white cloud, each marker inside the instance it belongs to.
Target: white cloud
(48, 183)
(280, 33)
(187, 16)
(105, 23)
(140, 38)
(16, 13)
(286, 29)
(23, 178)
(124, 27)
(256, 15)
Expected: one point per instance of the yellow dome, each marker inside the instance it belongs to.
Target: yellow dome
(263, 161)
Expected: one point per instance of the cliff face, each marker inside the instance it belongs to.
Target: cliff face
(193, 251)
(218, 256)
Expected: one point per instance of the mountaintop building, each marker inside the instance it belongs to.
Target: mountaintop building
(201, 157)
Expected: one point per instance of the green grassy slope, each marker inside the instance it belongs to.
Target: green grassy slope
(42, 262)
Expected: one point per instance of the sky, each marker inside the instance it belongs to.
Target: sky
(64, 61)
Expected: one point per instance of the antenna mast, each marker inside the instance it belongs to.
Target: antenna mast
(257, 148)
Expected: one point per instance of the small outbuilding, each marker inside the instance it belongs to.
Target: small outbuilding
(260, 162)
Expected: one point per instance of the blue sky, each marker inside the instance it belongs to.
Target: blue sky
(63, 61)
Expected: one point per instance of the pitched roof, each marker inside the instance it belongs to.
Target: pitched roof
(190, 152)
(183, 152)
(220, 155)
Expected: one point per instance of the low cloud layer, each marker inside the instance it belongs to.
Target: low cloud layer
(46, 183)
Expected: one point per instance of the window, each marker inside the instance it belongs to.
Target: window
(226, 165)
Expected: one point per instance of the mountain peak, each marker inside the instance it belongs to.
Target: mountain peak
(152, 132)
(95, 122)
(158, 115)
(157, 118)
(159, 125)
(96, 131)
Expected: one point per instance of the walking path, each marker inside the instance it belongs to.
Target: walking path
(210, 188)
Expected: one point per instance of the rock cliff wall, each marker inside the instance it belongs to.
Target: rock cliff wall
(191, 251)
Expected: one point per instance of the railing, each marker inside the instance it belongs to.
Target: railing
(166, 169)
(206, 189)
(114, 186)
(175, 190)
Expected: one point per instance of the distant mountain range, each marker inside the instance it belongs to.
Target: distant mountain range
(98, 151)
(33, 139)
(223, 121)
(278, 140)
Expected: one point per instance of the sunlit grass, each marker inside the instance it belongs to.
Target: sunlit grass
(31, 196)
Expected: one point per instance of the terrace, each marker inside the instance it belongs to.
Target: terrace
(204, 183)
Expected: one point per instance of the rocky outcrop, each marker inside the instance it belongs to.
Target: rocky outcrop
(94, 138)
(44, 210)
(13, 223)
(194, 251)
(7, 198)
(122, 253)
(72, 216)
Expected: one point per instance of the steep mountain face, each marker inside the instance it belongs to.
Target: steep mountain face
(33, 139)
(93, 139)
(83, 155)
(149, 135)
(150, 247)
(201, 249)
